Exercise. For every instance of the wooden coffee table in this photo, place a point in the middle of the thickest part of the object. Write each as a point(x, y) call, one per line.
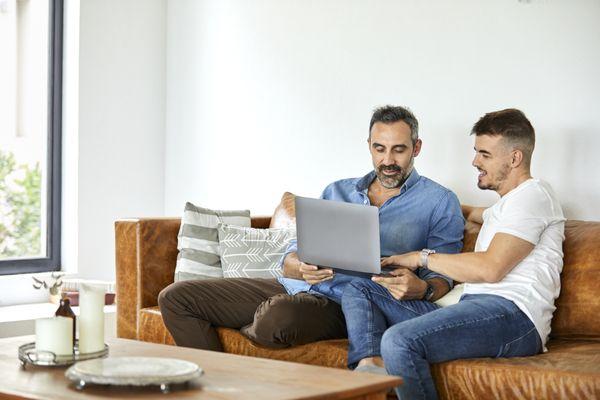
point(226, 376)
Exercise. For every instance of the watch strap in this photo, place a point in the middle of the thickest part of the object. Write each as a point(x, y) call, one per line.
point(429, 292)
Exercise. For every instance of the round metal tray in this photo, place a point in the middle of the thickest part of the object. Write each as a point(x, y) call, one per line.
point(134, 371)
point(29, 355)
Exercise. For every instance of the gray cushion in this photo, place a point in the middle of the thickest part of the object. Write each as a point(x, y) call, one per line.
point(252, 253)
point(198, 241)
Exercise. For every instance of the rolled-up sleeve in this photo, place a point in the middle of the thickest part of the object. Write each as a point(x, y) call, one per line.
point(426, 274)
point(292, 248)
point(445, 234)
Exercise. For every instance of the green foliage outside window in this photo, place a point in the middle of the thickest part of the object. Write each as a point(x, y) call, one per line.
point(20, 208)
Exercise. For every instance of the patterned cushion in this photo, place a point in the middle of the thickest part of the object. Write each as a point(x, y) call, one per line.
point(198, 241)
point(252, 253)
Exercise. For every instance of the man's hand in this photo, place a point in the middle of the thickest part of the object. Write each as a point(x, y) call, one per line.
point(296, 269)
point(403, 285)
point(313, 274)
point(410, 260)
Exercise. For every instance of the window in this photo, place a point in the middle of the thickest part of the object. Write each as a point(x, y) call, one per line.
point(30, 135)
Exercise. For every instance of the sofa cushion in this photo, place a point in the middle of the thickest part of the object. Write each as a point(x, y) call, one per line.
point(285, 213)
point(198, 241)
point(328, 353)
point(151, 327)
point(569, 370)
point(252, 253)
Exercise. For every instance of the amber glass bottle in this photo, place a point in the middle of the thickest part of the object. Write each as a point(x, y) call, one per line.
point(64, 310)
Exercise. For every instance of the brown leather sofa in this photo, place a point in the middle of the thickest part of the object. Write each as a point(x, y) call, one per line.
point(146, 252)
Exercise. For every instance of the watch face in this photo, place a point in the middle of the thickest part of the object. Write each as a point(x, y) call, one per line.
point(429, 292)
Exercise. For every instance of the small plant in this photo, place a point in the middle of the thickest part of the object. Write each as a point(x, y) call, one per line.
point(53, 284)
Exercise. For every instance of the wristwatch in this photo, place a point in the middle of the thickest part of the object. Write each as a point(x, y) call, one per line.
point(425, 255)
point(429, 292)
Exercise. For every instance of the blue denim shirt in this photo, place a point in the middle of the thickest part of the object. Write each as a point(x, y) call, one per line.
point(423, 215)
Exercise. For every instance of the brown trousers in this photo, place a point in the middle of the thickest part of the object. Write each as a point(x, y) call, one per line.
point(260, 308)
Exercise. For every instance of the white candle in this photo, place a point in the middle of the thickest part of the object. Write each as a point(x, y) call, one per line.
point(55, 335)
point(91, 318)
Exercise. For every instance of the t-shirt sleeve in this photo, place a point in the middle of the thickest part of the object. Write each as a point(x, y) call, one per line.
point(525, 216)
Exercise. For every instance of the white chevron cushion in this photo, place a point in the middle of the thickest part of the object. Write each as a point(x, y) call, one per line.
point(198, 241)
point(252, 253)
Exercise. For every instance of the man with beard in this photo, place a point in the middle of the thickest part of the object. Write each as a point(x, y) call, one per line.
point(304, 305)
point(511, 280)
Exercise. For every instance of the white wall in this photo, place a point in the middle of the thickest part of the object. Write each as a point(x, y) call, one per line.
point(121, 124)
point(259, 97)
point(113, 132)
point(274, 95)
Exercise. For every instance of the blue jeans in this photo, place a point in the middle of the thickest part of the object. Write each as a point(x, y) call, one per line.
point(421, 333)
point(369, 310)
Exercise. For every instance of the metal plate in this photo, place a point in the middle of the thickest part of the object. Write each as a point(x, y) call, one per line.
point(136, 371)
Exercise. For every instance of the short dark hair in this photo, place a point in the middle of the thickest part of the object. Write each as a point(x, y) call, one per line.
point(390, 114)
point(511, 124)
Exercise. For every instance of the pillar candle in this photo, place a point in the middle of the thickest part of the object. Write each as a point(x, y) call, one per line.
point(91, 318)
point(55, 335)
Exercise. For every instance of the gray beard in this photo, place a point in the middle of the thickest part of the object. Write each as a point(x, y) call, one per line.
point(390, 182)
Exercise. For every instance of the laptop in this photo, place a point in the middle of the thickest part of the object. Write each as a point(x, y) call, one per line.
point(338, 235)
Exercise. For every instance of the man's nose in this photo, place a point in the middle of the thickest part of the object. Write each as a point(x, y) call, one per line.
point(388, 159)
point(475, 162)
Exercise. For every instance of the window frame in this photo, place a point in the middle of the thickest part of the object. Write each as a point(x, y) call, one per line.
point(52, 261)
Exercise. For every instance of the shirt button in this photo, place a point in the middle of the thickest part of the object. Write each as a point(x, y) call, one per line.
point(365, 201)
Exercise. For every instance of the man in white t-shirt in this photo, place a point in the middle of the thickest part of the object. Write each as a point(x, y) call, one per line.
point(511, 280)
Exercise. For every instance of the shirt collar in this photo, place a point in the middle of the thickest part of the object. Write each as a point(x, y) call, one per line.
point(363, 183)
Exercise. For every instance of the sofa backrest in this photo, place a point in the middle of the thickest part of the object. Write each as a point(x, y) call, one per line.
point(577, 312)
point(146, 252)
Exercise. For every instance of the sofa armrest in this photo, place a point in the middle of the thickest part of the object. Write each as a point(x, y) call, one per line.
point(146, 254)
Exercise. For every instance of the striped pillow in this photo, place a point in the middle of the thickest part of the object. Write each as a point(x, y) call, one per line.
point(198, 241)
point(253, 253)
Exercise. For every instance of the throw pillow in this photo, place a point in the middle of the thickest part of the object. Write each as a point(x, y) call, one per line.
point(452, 297)
point(198, 241)
point(284, 215)
point(252, 253)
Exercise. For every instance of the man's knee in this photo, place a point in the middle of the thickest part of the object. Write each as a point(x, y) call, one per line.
point(396, 341)
point(280, 312)
point(175, 296)
point(288, 320)
point(166, 296)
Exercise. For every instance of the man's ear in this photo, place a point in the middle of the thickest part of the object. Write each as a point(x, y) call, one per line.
point(516, 158)
point(417, 147)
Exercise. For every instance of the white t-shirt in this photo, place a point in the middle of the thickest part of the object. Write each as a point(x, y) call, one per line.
point(530, 212)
